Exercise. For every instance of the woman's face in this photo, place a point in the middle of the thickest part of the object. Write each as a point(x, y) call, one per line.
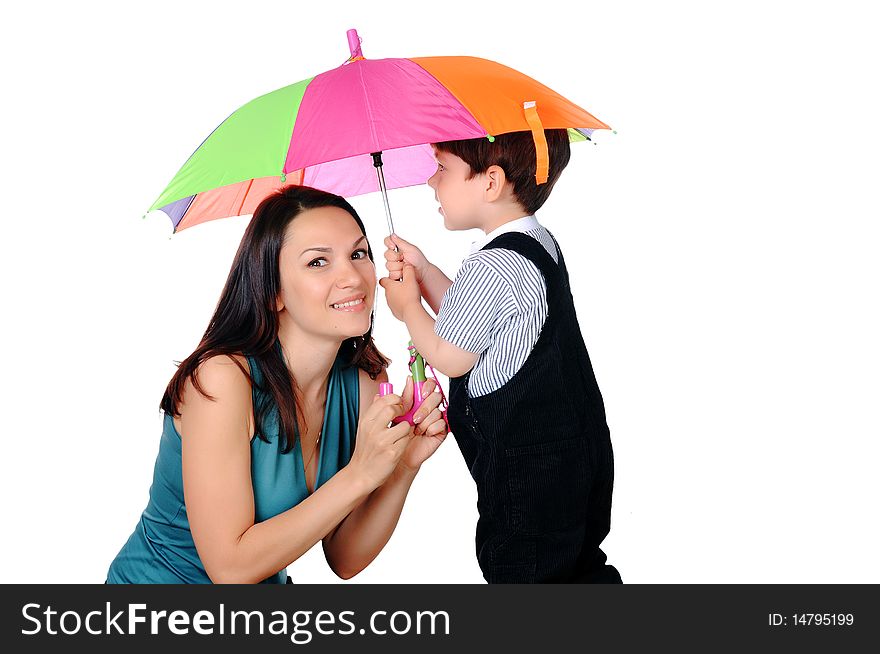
point(328, 282)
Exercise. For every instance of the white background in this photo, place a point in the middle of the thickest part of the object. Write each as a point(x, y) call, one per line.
point(722, 248)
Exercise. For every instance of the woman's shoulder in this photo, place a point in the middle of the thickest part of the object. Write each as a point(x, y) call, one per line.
point(225, 367)
point(222, 375)
point(219, 384)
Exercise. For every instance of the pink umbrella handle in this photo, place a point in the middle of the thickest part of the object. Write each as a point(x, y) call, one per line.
point(354, 44)
point(386, 388)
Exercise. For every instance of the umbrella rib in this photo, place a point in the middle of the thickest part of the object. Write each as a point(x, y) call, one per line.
point(369, 110)
point(244, 197)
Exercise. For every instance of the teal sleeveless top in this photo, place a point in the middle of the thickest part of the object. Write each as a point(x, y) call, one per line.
point(161, 549)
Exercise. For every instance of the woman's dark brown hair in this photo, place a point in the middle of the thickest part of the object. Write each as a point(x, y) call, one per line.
point(246, 321)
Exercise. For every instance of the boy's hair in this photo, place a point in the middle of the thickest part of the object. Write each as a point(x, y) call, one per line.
point(515, 153)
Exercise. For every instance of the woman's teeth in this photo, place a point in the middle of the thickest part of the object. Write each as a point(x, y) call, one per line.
point(348, 304)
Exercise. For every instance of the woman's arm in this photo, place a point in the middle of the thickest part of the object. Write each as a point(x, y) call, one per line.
point(353, 545)
point(218, 489)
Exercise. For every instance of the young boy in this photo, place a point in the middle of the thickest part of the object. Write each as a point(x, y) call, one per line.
point(524, 405)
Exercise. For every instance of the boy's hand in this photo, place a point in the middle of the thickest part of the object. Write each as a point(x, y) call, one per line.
point(407, 254)
point(401, 294)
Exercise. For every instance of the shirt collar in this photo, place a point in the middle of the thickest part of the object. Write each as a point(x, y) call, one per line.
point(523, 224)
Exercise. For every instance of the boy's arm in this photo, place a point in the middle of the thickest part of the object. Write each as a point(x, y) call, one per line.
point(432, 282)
point(449, 359)
point(405, 301)
point(480, 299)
point(434, 285)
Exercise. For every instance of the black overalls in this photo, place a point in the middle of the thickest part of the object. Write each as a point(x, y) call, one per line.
point(539, 450)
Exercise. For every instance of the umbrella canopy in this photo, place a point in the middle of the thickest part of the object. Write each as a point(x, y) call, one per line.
point(321, 131)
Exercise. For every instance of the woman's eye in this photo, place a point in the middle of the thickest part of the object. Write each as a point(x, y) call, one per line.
point(317, 263)
point(440, 167)
point(359, 254)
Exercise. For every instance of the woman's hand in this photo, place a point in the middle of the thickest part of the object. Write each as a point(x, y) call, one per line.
point(430, 430)
point(378, 447)
point(406, 253)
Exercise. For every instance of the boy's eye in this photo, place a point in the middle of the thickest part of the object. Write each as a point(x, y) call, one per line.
point(316, 263)
point(359, 254)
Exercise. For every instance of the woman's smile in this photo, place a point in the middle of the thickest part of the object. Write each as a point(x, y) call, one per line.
point(352, 306)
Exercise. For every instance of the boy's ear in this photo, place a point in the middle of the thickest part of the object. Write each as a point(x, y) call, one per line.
point(496, 182)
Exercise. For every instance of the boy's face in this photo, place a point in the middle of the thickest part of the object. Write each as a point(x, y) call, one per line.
point(460, 198)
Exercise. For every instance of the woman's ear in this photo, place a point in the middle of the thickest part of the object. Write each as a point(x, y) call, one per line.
point(279, 303)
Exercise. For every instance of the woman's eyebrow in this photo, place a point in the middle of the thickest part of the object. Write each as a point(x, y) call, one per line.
point(326, 249)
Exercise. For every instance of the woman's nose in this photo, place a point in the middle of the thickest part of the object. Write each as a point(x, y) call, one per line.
point(349, 275)
point(432, 180)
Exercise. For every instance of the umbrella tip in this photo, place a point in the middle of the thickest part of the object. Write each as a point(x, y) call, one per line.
point(354, 45)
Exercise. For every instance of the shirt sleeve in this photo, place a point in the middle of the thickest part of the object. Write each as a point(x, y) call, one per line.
point(474, 305)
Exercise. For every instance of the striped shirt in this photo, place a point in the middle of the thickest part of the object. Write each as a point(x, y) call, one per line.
point(496, 307)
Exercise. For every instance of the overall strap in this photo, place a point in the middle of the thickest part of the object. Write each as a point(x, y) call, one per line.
point(562, 265)
point(532, 250)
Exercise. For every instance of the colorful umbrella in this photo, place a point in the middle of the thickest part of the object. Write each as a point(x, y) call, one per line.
point(364, 126)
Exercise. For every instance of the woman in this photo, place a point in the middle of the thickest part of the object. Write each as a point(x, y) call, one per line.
point(274, 434)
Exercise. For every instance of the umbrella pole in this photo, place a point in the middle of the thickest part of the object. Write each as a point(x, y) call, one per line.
point(417, 363)
point(377, 163)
